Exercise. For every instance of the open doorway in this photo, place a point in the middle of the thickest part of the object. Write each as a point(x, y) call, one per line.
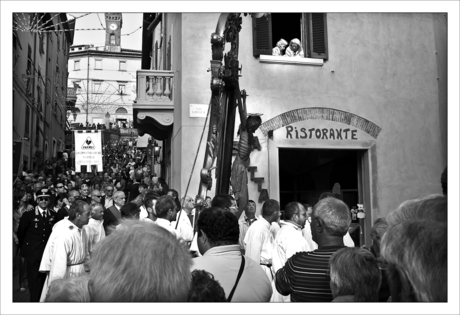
point(307, 173)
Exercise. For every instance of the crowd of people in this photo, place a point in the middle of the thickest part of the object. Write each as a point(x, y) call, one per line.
point(123, 235)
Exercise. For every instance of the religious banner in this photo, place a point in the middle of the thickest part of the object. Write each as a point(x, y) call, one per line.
point(88, 151)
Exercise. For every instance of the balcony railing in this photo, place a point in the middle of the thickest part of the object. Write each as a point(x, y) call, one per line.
point(155, 88)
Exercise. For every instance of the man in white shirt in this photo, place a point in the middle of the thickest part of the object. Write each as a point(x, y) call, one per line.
point(66, 248)
point(185, 228)
point(259, 239)
point(289, 241)
point(94, 231)
point(248, 217)
point(165, 208)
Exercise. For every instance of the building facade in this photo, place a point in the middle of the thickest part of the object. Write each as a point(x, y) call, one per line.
point(362, 108)
point(41, 44)
point(105, 79)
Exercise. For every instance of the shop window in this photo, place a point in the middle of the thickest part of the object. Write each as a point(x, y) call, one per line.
point(122, 66)
point(309, 28)
point(98, 64)
point(76, 65)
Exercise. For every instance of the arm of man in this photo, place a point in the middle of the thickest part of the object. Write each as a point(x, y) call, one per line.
point(253, 246)
point(282, 279)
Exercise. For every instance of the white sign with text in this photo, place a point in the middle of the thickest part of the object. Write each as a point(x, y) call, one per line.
point(198, 110)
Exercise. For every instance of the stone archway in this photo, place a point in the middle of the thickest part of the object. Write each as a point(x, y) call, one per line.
point(320, 113)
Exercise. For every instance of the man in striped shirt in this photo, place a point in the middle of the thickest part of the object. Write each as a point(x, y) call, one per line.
point(304, 276)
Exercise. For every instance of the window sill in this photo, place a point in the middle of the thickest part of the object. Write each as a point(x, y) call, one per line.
point(291, 60)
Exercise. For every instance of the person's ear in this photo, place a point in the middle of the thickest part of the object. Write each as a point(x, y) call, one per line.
point(318, 224)
point(204, 238)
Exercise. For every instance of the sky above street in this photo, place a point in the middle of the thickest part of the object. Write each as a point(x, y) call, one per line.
point(131, 33)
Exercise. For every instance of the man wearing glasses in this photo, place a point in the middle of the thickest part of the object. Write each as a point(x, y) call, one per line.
point(59, 185)
point(112, 214)
point(107, 200)
point(34, 231)
point(96, 196)
point(289, 241)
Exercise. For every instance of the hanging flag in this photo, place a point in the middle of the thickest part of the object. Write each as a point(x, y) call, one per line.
point(88, 151)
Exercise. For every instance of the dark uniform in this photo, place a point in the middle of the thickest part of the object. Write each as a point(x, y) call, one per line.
point(33, 233)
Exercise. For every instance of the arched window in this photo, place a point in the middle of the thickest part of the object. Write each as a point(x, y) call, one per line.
point(121, 110)
point(112, 39)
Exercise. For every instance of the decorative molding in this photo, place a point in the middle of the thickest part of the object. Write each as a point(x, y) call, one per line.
point(320, 113)
point(164, 118)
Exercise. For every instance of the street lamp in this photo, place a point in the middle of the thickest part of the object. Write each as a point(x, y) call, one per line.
point(156, 153)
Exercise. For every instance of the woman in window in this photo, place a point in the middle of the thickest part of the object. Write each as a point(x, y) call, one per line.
point(294, 49)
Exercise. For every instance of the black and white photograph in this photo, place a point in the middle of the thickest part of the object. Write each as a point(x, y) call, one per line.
point(185, 151)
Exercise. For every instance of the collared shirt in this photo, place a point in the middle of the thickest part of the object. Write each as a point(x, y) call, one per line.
point(224, 263)
point(259, 241)
point(184, 228)
point(166, 224)
point(288, 241)
point(94, 233)
point(244, 222)
point(143, 214)
point(108, 202)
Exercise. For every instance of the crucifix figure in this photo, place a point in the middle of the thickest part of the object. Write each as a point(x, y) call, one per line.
point(239, 175)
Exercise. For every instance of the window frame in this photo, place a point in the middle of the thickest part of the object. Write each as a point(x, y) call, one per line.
point(74, 64)
point(122, 62)
point(96, 63)
point(263, 33)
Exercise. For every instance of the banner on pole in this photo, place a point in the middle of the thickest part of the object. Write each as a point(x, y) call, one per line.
point(88, 151)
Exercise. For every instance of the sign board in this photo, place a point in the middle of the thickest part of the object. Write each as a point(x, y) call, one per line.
point(198, 110)
point(88, 150)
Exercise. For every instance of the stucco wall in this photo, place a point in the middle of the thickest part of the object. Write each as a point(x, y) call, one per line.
point(382, 67)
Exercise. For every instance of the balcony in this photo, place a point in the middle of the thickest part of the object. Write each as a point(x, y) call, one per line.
point(155, 89)
point(71, 93)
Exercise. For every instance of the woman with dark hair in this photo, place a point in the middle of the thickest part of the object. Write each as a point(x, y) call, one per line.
point(173, 193)
point(20, 205)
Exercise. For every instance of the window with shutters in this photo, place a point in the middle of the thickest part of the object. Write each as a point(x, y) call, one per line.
point(309, 28)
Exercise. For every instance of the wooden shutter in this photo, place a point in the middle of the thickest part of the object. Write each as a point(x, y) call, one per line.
point(262, 43)
point(317, 35)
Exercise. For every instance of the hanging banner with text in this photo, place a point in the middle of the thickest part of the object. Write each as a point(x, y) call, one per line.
point(88, 151)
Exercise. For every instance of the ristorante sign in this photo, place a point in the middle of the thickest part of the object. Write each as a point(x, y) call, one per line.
point(321, 133)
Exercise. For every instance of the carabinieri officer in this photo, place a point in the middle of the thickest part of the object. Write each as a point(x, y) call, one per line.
point(34, 230)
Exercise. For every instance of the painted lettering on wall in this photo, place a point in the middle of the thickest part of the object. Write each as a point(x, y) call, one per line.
point(321, 133)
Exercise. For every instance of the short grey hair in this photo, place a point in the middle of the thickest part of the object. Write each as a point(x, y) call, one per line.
point(355, 271)
point(418, 249)
point(68, 290)
point(428, 207)
point(335, 215)
point(120, 272)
